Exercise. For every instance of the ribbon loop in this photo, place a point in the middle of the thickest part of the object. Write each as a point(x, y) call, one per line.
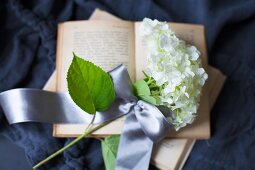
point(152, 121)
point(122, 83)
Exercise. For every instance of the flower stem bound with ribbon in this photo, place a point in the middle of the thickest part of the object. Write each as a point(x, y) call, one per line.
point(168, 97)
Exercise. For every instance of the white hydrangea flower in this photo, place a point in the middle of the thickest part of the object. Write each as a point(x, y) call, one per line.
point(176, 69)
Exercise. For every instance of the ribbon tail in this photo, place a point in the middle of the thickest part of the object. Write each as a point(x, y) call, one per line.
point(135, 147)
point(34, 105)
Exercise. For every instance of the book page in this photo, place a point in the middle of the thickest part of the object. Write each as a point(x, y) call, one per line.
point(169, 154)
point(105, 43)
point(193, 34)
point(103, 15)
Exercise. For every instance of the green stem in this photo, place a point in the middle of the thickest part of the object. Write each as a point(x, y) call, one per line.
point(84, 135)
point(91, 123)
point(152, 86)
point(156, 93)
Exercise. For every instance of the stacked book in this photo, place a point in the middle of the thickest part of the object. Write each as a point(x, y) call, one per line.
point(109, 41)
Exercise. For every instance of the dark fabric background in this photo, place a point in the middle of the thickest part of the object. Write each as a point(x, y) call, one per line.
point(27, 59)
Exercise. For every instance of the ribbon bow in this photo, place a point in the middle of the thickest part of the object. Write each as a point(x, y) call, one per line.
point(144, 124)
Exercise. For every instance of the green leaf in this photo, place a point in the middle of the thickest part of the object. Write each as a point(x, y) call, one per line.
point(142, 91)
point(89, 86)
point(110, 149)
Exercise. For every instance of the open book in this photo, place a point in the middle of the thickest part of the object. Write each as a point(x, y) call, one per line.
point(170, 153)
point(113, 42)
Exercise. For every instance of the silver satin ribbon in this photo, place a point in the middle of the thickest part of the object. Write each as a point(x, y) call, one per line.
point(144, 124)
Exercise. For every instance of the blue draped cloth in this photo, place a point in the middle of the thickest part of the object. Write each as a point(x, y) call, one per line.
point(27, 59)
